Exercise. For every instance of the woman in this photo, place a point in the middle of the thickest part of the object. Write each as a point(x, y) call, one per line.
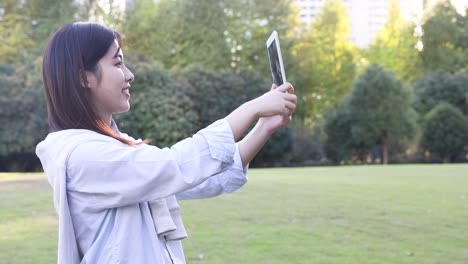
point(116, 196)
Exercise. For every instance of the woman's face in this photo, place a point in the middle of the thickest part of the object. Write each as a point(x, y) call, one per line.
point(110, 85)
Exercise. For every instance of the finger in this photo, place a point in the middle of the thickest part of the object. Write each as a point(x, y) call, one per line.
point(290, 106)
point(290, 97)
point(291, 89)
point(286, 119)
point(287, 87)
point(274, 87)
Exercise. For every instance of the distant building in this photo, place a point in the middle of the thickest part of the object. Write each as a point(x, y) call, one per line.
point(366, 17)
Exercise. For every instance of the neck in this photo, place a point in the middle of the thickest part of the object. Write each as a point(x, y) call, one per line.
point(107, 119)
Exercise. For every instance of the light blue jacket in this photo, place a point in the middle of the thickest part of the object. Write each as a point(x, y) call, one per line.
point(102, 188)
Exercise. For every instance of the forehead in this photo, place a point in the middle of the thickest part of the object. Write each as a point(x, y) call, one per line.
point(114, 50)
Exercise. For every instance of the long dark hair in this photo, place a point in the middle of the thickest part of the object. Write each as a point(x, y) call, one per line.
point(73, 49)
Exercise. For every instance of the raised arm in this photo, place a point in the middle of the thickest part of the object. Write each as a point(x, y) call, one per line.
point(275, 109)
point(239, 120)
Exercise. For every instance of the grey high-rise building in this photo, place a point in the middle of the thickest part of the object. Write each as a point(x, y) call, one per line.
point(366, 17)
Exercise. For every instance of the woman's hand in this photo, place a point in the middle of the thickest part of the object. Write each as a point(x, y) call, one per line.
point(279, 101)
point(273, 123)
point(275, 109)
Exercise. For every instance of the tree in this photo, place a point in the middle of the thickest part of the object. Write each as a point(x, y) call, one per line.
point(445, 40)
point(326, 58)
point(216, 34)
point(23, 117)
point(109, 12)
point(216, 93)
point(25, 27)
point(394, 46)
point(249, 23)
point(338, 130)
point(445, 131)
point(380, 110)
point(438, 87)
point(178, 33)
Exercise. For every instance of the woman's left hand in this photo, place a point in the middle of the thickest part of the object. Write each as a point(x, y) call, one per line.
point(276, 122)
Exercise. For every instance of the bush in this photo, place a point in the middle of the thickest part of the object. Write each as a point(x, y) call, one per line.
point(23, 117)
point(308, 145)
point(338, 131)
point(216, 94)
point(438, 87)
point(445, 132)
point(165, 108)
point(161, 109)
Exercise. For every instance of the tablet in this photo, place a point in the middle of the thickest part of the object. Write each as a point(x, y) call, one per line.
point(276, 60)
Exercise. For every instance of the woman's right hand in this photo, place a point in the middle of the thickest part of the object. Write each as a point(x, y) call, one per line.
point(277, 102)
point(280, 101)
point(274, 110)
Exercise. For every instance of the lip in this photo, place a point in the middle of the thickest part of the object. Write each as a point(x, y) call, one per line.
point(126, 90)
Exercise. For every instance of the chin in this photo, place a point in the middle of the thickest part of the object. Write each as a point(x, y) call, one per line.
point(124, 109)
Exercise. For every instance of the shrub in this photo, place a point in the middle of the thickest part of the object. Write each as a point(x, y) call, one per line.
point(445, 131)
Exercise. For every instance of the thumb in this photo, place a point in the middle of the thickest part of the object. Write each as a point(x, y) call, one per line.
point(274, 86)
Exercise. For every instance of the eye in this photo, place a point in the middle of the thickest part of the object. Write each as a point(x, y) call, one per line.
point(119, 64)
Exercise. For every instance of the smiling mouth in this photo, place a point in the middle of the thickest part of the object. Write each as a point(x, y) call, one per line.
point(126, 91)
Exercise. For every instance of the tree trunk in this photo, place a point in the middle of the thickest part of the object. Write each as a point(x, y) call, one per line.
point(447, 158)
point(385, 150)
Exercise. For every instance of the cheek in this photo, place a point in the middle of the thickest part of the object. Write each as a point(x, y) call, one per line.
point(118, 75)
point(113, 78)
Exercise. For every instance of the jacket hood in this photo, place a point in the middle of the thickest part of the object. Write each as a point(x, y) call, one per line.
point(53, 153)
point(57, 146)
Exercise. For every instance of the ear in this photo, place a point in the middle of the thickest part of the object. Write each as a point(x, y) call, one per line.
point(88, 79)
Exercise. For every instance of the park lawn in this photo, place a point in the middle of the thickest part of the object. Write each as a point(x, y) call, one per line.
point(347, 214)
point(28, 222)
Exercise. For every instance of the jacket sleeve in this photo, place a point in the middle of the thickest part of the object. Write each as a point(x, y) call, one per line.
point(224, 182)
point(107, 173)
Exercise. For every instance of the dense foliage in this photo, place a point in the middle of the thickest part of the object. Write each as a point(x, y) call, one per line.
point(161, 110)
point(195, 61)
point(445, 132)
point(377, 110)
point(326, 60)
point(23, 117)
point(438, 87)
point(394, 46)
point(445, 39)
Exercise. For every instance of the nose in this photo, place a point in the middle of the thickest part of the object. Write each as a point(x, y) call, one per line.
point(129, 77)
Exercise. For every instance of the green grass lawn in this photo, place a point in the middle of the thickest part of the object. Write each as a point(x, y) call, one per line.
point(350, 214)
